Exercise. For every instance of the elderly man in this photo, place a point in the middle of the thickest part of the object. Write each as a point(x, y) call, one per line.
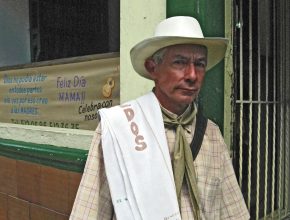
point(142, 163)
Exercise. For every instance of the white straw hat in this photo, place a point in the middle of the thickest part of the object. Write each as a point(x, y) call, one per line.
point(177, 30)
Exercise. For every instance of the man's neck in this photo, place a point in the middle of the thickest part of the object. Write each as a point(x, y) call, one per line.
point(173, 113)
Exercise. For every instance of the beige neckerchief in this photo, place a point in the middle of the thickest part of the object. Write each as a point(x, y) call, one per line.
point(182, 161)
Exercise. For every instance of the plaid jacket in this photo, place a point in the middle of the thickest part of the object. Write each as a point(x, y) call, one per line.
point(219, 192)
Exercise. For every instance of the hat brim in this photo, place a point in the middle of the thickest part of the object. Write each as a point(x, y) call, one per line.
point(216, 48)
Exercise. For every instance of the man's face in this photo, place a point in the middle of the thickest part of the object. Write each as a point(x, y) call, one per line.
point(178, 78)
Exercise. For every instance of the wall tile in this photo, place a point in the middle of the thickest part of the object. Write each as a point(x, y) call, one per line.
point(28, 181)
point(8, 182)
point(41, 213)
point(74, 182)
point(3, 207)
point(61, 217)
point(17, 209)
point(54, 189)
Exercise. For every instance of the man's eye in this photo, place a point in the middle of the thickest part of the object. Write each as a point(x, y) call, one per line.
point(200, 64)
point(180, 62)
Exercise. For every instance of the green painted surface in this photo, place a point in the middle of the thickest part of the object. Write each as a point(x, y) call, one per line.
point(49, 155)
point(211, 17)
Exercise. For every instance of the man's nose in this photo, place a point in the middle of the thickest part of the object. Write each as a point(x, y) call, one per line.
point(190, 72)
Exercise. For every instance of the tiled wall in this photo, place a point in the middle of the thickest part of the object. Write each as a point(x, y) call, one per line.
point(35, 192)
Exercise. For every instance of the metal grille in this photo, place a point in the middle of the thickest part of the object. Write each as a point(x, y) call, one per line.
point(261, 124)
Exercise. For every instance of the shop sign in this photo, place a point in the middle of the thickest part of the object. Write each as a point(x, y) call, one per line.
point(61, 95)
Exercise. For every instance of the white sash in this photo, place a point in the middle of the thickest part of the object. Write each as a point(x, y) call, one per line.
point(137, 161)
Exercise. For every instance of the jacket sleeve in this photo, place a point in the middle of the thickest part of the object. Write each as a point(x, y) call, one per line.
point(93, 199)
point(232, 202)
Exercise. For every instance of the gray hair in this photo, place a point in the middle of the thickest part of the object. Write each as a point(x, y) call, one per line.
point(159, 55)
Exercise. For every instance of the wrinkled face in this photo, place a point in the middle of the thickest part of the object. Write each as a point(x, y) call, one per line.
point(178, 76)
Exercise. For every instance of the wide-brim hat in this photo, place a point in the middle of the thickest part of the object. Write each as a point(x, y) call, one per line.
point(177, 30)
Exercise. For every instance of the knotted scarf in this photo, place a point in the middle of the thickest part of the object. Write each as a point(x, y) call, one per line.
point(183, 167)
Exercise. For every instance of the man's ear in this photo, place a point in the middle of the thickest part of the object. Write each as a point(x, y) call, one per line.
point(150, 66)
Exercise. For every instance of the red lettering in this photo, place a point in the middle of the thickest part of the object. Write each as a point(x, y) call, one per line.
point(141, 145)
point(129, 113)
point(134, 128)
point(139, 140)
